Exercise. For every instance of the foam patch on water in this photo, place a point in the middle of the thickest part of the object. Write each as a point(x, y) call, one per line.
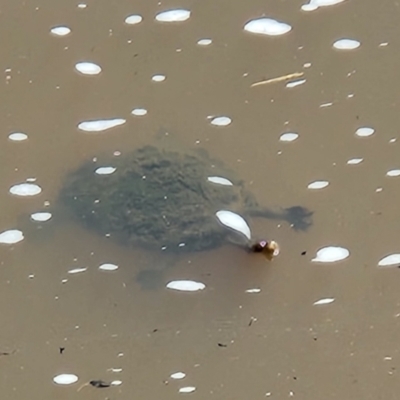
point(100, 125)
point(25, 189)
point(186, 285)
point(133, 19)
point(176, 15)
point(139, 112)
point(219, 180)
point(293, 84)
point(254, 290)
point(11, 236)
point(88, 68)
point(105, 170)
point(77, 270)
point(60, 30)
point(17, 136)
point(354, 161)
point(315, 4)
point(390, 260)
point(187, 389)
point(41, 216)
point(331, 254)
point(158, 78)
point(108, 267)
point(318, 185)
point(346, 44)
point(234, 221)
point(221, 121)
point(267, 26)
point(65, 379)
point(327, 300)
point(365, 131)
point(288, 137)
point(204, 42)
point(393, 172)
point(178, 375)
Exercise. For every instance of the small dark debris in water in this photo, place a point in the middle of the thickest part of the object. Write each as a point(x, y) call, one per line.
point(155, 330)
point(315, 339)
point(303, 253)
point(61, 349)
point(7, 353)
point(100, 384)
point(252, 319)
point(222, 345)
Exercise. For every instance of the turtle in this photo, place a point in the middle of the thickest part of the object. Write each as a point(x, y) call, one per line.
point(167, 199)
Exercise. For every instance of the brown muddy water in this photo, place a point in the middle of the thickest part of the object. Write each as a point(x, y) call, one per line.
point(230, 344)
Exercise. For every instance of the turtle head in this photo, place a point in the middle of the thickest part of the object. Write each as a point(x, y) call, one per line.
point(269, 248)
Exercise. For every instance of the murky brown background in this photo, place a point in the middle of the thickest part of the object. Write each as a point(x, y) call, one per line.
point(104, 320)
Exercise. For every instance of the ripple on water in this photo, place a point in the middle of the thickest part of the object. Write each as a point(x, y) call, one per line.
point(87, 68)
point(108, 267)
point(105, 170)
point(25, 189)
point(327, 300)
point(139, 112)
point(178, 375)
point(393, 172)
point(346, 44)
point(219, 180)
point(100, 125)
point(186, 285)
point(187, 389)
point(267, 26)
point(11, 236)
point(158, 78)
point(176, 15)
point(331, 254)
point(204, 42)
point(354, 161)
point(315, 4)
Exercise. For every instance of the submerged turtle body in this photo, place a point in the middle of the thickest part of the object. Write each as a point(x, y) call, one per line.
point(163, 199)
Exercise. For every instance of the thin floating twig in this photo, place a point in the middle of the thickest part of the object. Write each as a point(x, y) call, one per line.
point(279, 79)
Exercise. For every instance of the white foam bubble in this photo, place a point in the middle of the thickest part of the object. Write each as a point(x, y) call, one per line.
point(389, 260)
point(100, 125)
point(267, 26)
point(65, 379)
point(254, 290)
point(288, 137)
point(116, 383)
point(221, 121)
point(60, 30)
point(158, 78)
point(331, 254)
point(108, 267)
point(25, 189)
point(187, 389)
point(133, 19)
point(318, 185)
point(139, 112)
point(293, 84)
point(88, 68)
point(41, 216)
point(219, 180)
point(309, 7)
point(393, 172)
point(204, 42)
point(346, 44)
point(105, 170)
point(17, 136)
point(327, 300)
point(234, 221)
point(354, 161)
point(365, 131)
point(178, 375)
point(11, 236)
point(186, 285)
point(77, 270)
point(176, 15)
